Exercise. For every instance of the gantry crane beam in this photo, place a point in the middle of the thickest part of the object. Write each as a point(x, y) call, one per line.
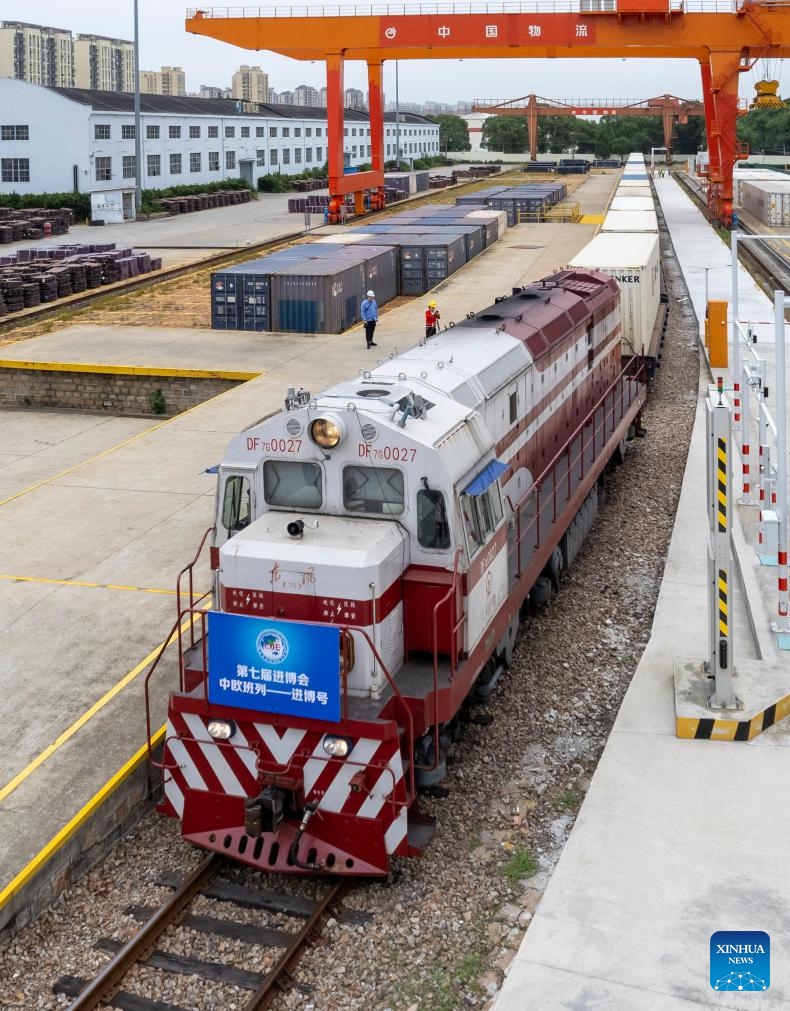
point(532, 107)
point(725, 38)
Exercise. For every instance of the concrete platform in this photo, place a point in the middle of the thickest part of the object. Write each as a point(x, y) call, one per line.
point(99, 514)
point(676, 839)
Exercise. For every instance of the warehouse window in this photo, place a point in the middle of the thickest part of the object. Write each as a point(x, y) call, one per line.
point(194, 133)
point(286, 131)
point(194, 162)
point(230, 131)
point(245, 131)
point(297, 131)
point(101, 131)
point(129, 166)
point(318, 131)
point(433, 530)
point(175, 164)
point(373, 490)
point(286, 156)
point(213, 161)
point(103, 170)
point(230, 159)
point(298, 156)
point(15, 133)
point(213, 132)
point(308, 154)
point(260, 156)
point(174, 132)
point(318, 154)
point(292, 485)
point(273, 157)
point(272, 131)
point(308, 131)
point(236, 504)
point(127, 132)
point(152, 132)
point(260, 131)
point(15, 170)
point(154, 165)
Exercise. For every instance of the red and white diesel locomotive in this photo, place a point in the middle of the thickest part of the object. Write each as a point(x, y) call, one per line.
point(372, 550)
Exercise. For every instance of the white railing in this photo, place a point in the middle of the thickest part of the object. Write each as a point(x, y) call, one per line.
point(594, 7)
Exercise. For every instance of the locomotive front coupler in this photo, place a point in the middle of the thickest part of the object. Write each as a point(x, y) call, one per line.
point(264, 813)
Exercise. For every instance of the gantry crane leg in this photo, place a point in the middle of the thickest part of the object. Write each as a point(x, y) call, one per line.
point(720, 96)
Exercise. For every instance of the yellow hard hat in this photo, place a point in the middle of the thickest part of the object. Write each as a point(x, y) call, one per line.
point(431, 305)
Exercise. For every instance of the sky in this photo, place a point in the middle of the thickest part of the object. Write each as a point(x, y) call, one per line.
point(164, 41)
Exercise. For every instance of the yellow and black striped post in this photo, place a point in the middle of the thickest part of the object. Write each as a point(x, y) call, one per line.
point(719, 433)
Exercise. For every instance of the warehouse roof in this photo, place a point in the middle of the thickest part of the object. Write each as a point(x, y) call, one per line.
point(187, 105)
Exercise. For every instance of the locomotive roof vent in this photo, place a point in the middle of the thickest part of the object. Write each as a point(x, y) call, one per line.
point(532, 293)
point(374, 392)
point(487, 316)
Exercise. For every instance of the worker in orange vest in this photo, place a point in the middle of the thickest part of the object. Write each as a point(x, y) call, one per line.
point(432, 317)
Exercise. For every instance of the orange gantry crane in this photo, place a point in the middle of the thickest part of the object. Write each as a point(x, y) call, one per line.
point(672, 110)
point(725, 37)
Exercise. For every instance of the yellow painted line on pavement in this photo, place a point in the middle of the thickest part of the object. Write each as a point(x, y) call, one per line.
point(78, 582)
point(79, 723)
point(111, 449)
point(71, 827)
point(591, 219)
point(127, 370)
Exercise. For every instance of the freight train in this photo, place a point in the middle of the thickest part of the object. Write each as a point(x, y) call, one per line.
point(373, 549)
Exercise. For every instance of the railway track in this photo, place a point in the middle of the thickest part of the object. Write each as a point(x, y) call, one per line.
point(141, 950)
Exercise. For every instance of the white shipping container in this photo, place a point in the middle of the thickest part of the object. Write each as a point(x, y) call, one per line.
point(631, 204)
point(343, 238)
point(769, 202)
point(633, 192)
point(632, 183)
point(489, 212)
point(740, 176)
point(630, 221)
point(633, 261)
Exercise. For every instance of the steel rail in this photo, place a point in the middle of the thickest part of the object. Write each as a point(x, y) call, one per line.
point(106, 984)
point(273, 984)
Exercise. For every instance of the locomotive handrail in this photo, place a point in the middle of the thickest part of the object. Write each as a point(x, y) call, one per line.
point(454, 626)
point(174, 632)
point(190, 568)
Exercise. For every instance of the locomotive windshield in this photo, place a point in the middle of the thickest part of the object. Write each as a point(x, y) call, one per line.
point(433, 530)
point(292, 485)
point(373, 490)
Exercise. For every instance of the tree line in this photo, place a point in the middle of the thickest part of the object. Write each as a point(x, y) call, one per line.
point(766, 131)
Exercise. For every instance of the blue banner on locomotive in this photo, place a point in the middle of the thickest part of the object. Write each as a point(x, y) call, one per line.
point(372, 549)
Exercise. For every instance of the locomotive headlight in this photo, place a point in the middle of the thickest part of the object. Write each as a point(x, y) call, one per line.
point(222, 730)
point(337, 747)
point(327, 432)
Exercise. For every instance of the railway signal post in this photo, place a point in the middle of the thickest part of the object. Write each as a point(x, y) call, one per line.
point(720, 638)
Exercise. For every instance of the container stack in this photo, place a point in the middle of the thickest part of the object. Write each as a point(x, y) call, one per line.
point(528, 202)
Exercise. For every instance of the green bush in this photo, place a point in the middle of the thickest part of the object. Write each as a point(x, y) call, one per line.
point(80, 203)
point(277, 183)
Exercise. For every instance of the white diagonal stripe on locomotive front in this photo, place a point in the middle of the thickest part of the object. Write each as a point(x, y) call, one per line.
point(385, 785)
point(281, 748)
point(212, 752)
point(396, 832)
point(187, 769)
point(337, 793)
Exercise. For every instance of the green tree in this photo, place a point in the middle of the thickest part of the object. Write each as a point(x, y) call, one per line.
point(453, 133)
point(559, 134)
point(505, 133)
point(766, 131)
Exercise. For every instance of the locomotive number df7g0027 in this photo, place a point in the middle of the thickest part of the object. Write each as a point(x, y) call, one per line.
point(254, 444)
point(398, 454)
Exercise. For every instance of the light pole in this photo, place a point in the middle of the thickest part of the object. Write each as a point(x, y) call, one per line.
point(397, 120)
point(138, 140)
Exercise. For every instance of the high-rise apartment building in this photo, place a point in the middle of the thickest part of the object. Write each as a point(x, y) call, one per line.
point(353, 98)
point(211, 91)
point(305, 95)
point(322, 97)
point(37, 54)
point(250, 84)
point(165, 81)
point(103, 64)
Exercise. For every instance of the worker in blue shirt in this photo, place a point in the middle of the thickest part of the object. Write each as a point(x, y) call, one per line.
point(370, 316)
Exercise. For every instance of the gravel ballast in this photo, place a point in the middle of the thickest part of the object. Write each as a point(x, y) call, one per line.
point(444, 929)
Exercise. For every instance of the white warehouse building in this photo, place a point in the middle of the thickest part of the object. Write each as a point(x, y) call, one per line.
point(56, 140)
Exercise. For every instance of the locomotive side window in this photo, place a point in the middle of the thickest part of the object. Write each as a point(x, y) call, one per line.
point(292, 485)
point(474, 533)
point(236, 504)
point(433, 530)
point(481, 514)
point(489, 508)
point(373, 490)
